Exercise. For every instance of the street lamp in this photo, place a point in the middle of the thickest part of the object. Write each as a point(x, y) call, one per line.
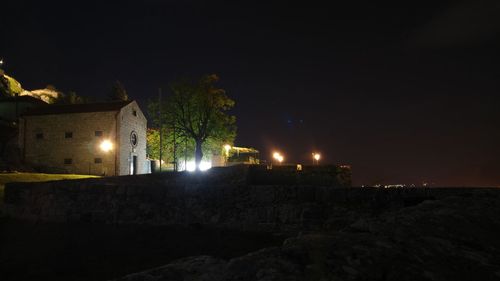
point(316, 156)
point(277, 156)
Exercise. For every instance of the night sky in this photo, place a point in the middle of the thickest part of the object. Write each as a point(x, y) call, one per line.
point(405, 93)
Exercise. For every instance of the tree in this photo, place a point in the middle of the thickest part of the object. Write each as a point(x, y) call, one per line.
point(196, 112)
point(118, 92)
point(182, 146)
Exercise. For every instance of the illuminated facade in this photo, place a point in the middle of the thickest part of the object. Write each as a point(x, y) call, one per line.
point(242, 155)
point(99, 139)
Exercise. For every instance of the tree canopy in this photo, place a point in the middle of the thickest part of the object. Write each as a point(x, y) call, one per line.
point(195, 113)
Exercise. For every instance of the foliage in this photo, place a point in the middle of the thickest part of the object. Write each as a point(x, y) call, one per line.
point(4, 87)
point(15, 87)
point(118, 92)
point(153, 145)
point(9, 86)
point(197, 113)
point(183, 146)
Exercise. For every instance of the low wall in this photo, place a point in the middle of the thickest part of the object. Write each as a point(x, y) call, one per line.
point(208, 199)
point(324, 175)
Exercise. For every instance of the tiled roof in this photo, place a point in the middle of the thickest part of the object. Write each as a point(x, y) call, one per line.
point(77, 108)
point(25, 99)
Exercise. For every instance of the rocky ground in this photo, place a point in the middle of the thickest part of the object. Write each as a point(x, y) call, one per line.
point(453, 238)
point(83, 251)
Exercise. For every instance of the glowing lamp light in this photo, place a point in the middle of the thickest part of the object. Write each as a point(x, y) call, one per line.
point(190, 166)
point(204, 165)
point(278, 157)
point(316, 156)
point(227, 147)
point(106, 146)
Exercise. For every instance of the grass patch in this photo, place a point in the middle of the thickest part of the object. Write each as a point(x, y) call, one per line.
point(34, 177)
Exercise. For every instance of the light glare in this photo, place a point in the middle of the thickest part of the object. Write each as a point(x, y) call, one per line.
point(106, 145)
point(278, 157)
point(204, 165)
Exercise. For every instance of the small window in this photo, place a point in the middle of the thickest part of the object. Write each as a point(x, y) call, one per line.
point(134, 112)
point(39, 136)
point(68, 161)
point(68, 135)
point(97, 160)
point(98, 133)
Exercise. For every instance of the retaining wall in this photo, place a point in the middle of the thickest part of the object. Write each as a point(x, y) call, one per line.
point(208, 199)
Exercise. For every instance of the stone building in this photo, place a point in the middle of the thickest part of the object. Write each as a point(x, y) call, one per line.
point(99, 139)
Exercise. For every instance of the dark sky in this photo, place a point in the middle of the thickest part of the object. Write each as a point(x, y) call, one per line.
point(404, 93)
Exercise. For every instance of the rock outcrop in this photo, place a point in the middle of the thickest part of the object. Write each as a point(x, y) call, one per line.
point(453, 238)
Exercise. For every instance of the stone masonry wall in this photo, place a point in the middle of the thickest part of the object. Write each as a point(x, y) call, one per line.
point(207, 199)
point(129, 122)
point(82, 148)
point(48, 153)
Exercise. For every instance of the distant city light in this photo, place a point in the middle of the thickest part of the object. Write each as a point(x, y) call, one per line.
point(1, 61)
point(106, 145)
point(394, 185)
